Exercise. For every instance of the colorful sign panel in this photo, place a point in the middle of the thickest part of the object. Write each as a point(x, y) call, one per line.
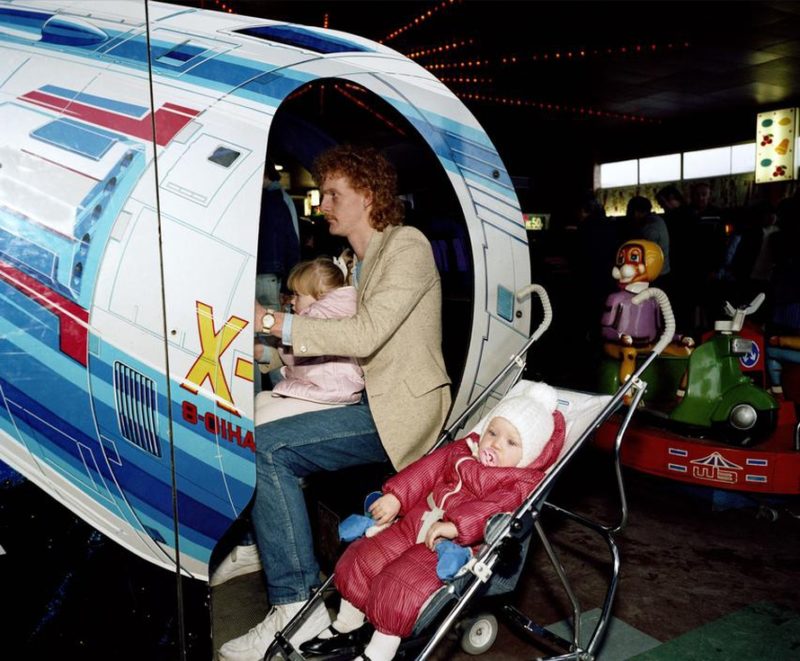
point(776, 133)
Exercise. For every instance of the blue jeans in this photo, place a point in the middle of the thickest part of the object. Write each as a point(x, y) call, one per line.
point(286, 451)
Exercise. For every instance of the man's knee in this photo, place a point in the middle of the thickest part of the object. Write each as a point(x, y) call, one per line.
point(271, 437)
point(272, 456)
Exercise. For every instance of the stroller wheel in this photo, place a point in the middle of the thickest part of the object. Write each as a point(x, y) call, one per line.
point(478, 633)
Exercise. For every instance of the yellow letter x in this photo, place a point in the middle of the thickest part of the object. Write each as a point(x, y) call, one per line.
point(213, 344)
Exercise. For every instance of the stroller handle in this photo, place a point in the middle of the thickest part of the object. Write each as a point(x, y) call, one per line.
point(666, 312)
point(517, 361)
point(546, 307)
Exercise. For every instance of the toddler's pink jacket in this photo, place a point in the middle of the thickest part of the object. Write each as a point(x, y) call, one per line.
point(324, 379)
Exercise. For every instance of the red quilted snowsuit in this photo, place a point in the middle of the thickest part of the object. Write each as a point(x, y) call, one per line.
point(389, 577)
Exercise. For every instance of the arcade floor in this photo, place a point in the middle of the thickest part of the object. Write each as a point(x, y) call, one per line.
point(706, 575)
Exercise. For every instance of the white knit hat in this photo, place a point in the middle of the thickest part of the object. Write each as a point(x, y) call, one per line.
point(529, 406)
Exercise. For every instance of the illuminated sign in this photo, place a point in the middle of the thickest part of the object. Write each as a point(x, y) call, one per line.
point(536, 221)
point(776, 133)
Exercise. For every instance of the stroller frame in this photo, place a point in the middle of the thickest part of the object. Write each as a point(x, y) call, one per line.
point(507, 529)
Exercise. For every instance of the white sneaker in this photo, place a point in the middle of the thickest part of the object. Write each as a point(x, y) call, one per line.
point(253, 645)
point(242, 560)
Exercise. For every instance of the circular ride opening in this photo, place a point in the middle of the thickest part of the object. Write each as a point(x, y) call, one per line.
point(326, 112)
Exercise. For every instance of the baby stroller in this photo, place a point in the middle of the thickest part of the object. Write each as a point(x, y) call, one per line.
point(508, 535)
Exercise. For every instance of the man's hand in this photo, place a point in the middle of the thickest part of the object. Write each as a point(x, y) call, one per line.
point(258, 318)
point(277, 328)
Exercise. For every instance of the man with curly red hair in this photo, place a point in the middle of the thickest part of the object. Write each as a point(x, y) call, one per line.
point(396, 336)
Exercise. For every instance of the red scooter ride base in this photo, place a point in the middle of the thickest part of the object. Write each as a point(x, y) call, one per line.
point(771, 467)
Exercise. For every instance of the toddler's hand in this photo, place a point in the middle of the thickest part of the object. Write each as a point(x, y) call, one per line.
point(385, 509)
point(440, 529)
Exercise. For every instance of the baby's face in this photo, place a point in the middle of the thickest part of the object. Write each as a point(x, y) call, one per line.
point(501, 445)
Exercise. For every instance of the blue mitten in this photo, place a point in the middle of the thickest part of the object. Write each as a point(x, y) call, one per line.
point(452, 557)
point(354, 526)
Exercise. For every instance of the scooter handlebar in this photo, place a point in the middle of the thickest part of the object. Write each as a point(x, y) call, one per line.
point(666, 313)
point(546, 307)
point(755, 303)
point(737, 315)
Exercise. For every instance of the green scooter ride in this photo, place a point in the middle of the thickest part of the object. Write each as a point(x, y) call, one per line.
point(706, 393)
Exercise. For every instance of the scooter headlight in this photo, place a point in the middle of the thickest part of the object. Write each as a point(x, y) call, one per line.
point(740, 346)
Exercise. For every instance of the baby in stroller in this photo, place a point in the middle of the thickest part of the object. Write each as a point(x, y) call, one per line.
point(449, 494)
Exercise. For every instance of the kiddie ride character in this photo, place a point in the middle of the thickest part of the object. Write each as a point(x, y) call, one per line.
point(702, 389)
point(447, 495)
point(630, 328)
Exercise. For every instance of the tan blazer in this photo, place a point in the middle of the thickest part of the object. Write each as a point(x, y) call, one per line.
point(396, 335)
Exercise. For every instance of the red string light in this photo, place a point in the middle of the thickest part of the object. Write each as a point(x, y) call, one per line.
point(302, 91)
point(364, 106)
point(439, 49)
point(556, 107)
point(581, 53)
point(475, 80)
point(559, 55)
point(444, 4)
point(469, 64)
point(224, 6)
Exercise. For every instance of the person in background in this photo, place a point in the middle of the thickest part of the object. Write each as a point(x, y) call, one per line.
point(709, 244)
point(677, 217)
point(671, 200)
point(783, 323)
point(644, 224)
point(596, 252)
point(700, 204)
point(279, 239)
point(768, 241)
point(396, 336)
point(679, 222)
point(749, 258)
